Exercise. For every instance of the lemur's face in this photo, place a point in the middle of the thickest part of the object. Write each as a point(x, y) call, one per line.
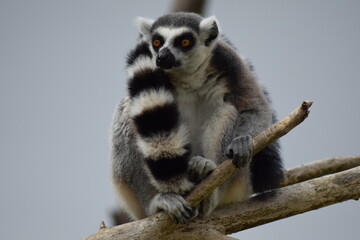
point(174, 47)
point(179, 41)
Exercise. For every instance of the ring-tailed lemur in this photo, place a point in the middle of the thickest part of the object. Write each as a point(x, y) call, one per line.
point(193, 102)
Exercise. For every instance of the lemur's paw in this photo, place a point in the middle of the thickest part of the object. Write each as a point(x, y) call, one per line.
point(240, 150)
point(199, 168)
point(175, 206)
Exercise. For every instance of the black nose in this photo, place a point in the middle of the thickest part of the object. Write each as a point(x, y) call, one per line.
point(165, 59)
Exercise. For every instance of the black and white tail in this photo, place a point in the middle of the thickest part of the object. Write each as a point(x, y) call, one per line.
point(161, 138)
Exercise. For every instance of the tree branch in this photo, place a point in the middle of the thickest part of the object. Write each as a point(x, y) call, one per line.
point(319, 168)
point(289, 201)
point(200, 234)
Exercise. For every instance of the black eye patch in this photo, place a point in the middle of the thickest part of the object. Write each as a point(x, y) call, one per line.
point(157, 41)
point(185, 41)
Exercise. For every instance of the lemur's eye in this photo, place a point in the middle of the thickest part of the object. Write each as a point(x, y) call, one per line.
point(185, 42)
point(156, 43)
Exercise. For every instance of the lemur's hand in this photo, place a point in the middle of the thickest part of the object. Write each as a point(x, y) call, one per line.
point(199, 168)
point(174, 205)
point(240, 150)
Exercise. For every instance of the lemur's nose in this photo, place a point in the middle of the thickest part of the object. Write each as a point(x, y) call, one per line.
point(165, 59)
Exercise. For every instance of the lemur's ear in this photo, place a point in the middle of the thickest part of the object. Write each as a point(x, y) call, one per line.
point(144, 25)
point(209, 30)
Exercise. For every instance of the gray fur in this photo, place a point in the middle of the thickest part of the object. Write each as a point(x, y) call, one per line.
point(126, 160)
point(125, 156)
point(190, 20)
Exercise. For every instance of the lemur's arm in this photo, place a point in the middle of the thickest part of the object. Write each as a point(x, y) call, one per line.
point(244, 106)
point(247, 125)
point(266, 166)
point(255, 115)
point(161, 138)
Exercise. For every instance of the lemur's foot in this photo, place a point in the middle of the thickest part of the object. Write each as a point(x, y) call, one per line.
point(175, 206)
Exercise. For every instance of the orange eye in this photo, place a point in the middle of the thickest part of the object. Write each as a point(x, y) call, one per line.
point(185, 42)
point(156, 43)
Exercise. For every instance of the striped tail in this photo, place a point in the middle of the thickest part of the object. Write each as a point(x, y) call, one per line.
point(161, 138)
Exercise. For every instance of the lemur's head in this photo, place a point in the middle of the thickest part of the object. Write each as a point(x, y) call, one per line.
point(180, 40)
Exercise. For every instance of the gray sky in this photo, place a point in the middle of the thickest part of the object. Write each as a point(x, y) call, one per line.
point(62, 73)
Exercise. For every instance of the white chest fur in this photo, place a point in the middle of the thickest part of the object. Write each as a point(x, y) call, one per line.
point(200, 92)
point(201, 108)
point(195, 112)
